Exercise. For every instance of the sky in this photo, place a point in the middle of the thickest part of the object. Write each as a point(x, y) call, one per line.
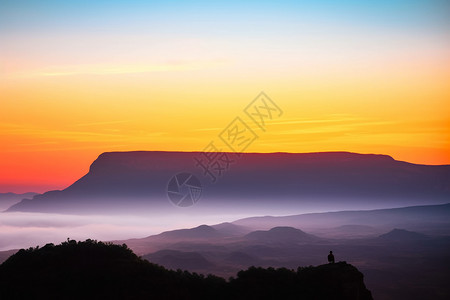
point(79, 78)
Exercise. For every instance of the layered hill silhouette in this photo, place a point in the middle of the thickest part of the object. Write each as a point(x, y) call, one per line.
point(402, 235)
point(137, 182)
point(9, 199)
point(200, 232)
point(281, 235)
point(432, 218)
point(95, 270)
point(408, 263)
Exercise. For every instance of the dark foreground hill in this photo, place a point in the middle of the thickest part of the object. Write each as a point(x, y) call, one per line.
point(95, 270)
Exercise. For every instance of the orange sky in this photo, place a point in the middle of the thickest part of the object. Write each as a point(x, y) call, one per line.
point(68, 95)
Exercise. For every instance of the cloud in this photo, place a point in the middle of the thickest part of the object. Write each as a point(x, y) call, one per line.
point(218, 129)
point(23, 230)
point(121, 69)
point(104, 123)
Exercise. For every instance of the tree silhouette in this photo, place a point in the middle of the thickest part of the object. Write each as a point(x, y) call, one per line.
point(97, 270)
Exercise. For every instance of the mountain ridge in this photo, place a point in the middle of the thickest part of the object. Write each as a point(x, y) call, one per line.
point(9, 199)
point(281, 234)
point(427, 214)
point(141, 178)
point(100, 271)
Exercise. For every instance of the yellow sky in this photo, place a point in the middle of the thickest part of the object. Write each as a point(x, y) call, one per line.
point(69, 93)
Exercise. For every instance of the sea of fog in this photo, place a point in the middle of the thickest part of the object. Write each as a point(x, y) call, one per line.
point(23, 230)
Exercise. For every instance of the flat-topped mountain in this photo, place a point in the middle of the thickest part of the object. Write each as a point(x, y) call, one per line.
point(138, 181)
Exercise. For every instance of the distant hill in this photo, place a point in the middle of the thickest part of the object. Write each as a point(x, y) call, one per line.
point(281, 235)
point(136, 182)
point(4, 255)
point(395, 262)
point(426, 217)
point(9, 199)
point(203, 233)
point(200, 232)
point(350, 231)
point(94, 270)
point(209, 235)
point(230, 229)
point(402, 235)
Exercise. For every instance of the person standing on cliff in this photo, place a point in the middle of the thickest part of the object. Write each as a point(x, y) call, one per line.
point(331, 258)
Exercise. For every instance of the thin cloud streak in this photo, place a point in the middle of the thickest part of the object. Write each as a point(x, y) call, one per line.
point(104, 123)
point(105, 69)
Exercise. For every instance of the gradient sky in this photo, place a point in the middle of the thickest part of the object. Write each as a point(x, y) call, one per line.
point(79, 78)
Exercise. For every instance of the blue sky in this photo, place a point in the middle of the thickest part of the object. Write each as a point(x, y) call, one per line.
point(131, 15)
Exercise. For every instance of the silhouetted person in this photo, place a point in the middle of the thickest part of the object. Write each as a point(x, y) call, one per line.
point(331, 258)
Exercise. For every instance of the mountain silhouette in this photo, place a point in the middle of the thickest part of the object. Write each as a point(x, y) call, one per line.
point(95, 270)
point(137, 182)
point(8, 199)
point(200, 232)
point(280, 234)
point(424, 216)
point(230, 229)
point(402, 235)
point(398, 265)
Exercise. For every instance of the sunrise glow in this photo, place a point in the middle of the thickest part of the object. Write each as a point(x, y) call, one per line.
point(79, 80)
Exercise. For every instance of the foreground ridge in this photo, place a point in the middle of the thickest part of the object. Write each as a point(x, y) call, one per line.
point(93, 270)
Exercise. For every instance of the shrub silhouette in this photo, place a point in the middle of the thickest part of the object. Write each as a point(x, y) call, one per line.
point(97, 270)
